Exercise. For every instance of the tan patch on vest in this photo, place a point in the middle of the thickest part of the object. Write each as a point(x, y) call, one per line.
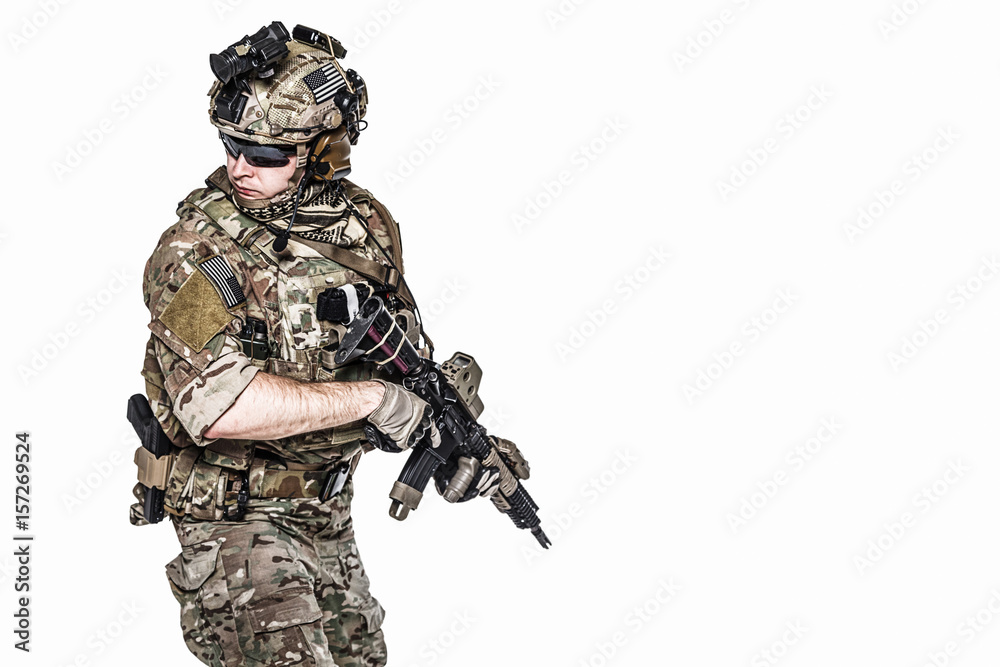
point(196, 313)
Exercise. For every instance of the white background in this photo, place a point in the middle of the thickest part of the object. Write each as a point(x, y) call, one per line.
point(700, 489)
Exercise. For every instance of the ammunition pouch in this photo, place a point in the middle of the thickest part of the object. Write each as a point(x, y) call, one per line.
point(253, 337)
point(218, 485)
point(237, 494)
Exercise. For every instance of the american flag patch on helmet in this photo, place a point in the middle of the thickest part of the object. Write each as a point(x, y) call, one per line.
point(324, 82)
point(217, 270)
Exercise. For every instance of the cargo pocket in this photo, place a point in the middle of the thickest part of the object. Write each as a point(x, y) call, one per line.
point(352, 576)
point(285, 627)
point(373, 614)
point(355, 629)
point(188, 574)
point(358, 638)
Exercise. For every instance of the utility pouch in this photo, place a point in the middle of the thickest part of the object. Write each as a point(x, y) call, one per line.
point(154, 458)
point(217, 493)
point(219, 483)
point(253, 336)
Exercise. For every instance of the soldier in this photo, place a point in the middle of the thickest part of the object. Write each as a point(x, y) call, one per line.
point(265, 429)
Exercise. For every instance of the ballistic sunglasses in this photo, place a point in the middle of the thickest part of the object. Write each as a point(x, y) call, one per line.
point(258, 155)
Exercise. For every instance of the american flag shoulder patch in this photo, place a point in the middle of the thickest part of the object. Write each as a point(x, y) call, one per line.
point(217, 270)
point(324, 82)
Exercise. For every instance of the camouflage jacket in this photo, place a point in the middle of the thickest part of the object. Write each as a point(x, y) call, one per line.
point(195, 366)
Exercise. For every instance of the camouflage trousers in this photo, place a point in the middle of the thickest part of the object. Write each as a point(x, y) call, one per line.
point(284, 586)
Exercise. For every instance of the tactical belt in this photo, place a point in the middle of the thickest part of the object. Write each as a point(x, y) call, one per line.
point(263, 482)
point(323, 483)
point(259, 481)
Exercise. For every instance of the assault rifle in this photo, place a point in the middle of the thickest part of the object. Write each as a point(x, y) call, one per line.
point(452, 390)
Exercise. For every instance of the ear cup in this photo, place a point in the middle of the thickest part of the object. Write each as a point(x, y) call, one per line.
point(330, 157)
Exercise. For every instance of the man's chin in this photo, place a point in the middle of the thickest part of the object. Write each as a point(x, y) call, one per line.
point(246, 194)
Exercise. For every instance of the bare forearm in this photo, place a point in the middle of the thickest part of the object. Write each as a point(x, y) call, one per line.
point(277, 407)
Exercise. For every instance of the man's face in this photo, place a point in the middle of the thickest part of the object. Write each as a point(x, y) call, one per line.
point(257, 182)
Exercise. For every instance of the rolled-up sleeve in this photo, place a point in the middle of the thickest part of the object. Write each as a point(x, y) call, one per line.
point(195, 335)
point(200, 398)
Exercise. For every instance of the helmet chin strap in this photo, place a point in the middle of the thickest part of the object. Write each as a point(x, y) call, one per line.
point(302, 163)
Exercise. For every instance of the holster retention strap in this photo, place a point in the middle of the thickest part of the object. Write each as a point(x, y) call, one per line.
point(153, 471)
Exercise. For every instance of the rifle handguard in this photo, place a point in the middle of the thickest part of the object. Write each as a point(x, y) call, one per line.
point(451, 389)
point(513, 456)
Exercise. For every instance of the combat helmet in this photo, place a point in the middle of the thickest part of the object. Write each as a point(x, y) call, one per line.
point(276, 88)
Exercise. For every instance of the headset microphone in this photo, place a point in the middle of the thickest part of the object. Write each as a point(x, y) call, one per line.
point(281, 242)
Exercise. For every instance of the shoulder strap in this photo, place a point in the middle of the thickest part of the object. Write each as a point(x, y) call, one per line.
point(356, 193)
point(227, 216)
point(385, 275)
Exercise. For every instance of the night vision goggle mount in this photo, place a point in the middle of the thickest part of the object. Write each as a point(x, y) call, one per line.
point(255, 55)
point(257, 52)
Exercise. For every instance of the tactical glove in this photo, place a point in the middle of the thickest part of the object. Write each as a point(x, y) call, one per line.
point(403, 418)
